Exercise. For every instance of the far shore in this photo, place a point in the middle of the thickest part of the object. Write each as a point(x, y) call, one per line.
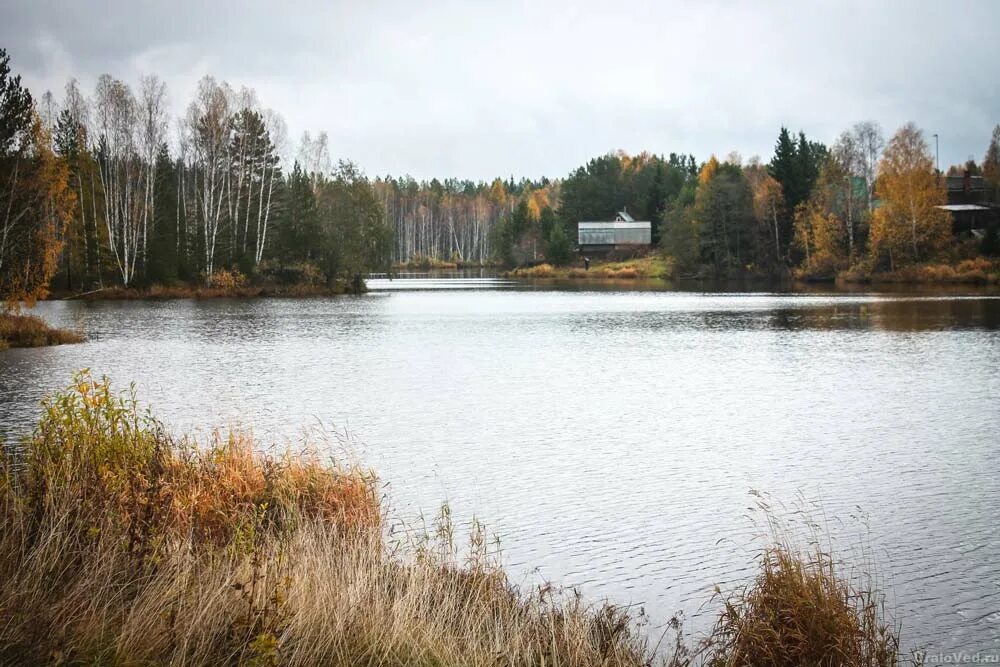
point(653, 271)
point(656, 269)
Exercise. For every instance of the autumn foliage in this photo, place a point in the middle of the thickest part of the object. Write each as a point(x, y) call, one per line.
point(908, 227)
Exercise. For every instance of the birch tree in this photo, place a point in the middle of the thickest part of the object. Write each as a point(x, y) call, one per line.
point(209, 122)
point(908, 226)
point(869, 143)
point(767, 202)
point(152, 110)
point(123, 172)
point(255, 169)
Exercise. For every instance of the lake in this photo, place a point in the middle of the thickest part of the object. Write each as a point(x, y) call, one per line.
point(610, 438)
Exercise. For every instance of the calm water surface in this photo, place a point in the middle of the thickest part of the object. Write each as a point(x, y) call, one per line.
point(610, 438)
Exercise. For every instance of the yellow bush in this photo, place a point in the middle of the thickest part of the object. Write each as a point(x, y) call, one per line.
point(225, 279)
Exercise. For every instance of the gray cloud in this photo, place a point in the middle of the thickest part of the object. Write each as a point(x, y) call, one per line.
point(471, 89)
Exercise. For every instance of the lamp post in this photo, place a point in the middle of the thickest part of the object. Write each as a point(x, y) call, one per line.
point(937, 155)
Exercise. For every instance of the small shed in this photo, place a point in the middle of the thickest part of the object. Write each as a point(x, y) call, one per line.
point(624, 231)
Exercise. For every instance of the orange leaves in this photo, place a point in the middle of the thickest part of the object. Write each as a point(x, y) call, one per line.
point(908, 227)
point(708, 171)
point(821, 237)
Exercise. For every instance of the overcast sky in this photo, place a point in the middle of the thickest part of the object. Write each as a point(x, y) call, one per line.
point(479, 89)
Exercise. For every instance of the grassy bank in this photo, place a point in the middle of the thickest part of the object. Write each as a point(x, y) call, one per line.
point(210, 292)
point(18, 330)
point(651, 267)
point(121, 546)
point(977, 271)
point(422, 263)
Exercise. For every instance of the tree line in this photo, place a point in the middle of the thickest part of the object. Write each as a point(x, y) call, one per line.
point(860, 204)
point(106, 189)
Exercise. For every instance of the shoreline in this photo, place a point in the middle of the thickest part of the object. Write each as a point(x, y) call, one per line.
point(164, 292)
point(655, 269)
point(644, 273)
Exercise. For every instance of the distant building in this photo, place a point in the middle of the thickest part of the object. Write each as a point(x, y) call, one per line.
point(968, 205)
point(622, 232)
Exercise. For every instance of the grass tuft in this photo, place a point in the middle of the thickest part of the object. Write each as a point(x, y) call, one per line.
point(801, 611)
point(18, 330)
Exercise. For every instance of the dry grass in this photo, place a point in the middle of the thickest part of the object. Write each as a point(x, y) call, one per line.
point(423, 263)
point(975, 271)
point(30, 331)
point(801, 611)
point(538, 271)
point(803, 608)
point(642, 268)
point(123, 547)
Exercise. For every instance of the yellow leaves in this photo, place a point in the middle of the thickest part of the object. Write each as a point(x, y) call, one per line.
point(709, 171)
point(908, 227)
point(498, 192)
point(821, 237)
point(534, 210)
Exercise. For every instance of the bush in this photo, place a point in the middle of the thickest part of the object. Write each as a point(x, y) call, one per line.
point(297, 274)
point(225, 279)
point(801, 611)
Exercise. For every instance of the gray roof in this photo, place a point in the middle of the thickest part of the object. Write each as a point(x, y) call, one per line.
point(964, 207)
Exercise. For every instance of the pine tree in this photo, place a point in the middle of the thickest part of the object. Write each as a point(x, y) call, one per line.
point(558, 249)
point(164, 264)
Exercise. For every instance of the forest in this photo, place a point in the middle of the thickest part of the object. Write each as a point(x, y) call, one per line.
point(105, 188)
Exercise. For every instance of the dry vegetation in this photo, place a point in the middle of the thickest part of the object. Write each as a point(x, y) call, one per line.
point(425, 263)
point(975, 271)
point(121, 546)
point(18, 330)
point(642, 268)
point(802, 609)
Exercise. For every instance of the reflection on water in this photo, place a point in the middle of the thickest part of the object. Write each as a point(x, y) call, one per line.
point(434, 280)
point(610, 437)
